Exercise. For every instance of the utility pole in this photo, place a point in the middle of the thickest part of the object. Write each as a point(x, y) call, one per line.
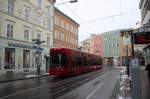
point(126, 42)
point(38, 53)
point(134, 68)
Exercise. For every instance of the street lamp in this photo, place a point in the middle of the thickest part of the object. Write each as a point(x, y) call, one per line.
point(126, 41)
point(71, 1)
point(38, 53)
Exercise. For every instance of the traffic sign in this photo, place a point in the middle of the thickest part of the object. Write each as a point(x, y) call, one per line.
point(135, 63)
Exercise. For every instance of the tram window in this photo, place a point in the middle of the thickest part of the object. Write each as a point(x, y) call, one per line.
point(64, 60)
point(56, 60)
point(59, 60)
point(78, 61)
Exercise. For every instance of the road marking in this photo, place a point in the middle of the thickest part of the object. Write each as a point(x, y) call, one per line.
point(98, 86)
point(94, 90)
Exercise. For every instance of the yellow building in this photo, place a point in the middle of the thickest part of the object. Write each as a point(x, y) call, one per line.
point(21, 21)
point(125, 50)
point(87, 46)
point(66, 31)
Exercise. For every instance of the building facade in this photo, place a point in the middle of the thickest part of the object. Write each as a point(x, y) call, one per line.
point(144, 5)
point(112, 48)
point(97, 45)
point(125, 49)
point(93, 45)
point(66, 31)
point(23, 21)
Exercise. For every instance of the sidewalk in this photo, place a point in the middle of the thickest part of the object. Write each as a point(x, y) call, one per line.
point(145, 88)
point(20, 76)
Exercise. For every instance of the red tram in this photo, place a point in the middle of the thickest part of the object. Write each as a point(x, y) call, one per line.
point(67, 62)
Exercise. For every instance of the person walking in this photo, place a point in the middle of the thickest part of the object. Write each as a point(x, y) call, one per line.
point(148, 70)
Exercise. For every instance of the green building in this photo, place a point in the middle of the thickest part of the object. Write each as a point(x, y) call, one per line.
point(111, 46)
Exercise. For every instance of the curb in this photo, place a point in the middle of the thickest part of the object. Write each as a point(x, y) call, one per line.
point(24, 78)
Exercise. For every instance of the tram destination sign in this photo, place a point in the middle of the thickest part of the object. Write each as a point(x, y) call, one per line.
point(142, 38)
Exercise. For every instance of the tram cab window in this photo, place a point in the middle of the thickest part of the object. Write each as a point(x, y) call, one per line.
point(59, 60)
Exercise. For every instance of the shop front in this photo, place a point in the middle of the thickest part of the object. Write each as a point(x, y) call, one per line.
point(19, 57)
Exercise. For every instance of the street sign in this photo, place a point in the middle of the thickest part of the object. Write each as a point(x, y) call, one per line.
point(135, 63)
point(142, 38)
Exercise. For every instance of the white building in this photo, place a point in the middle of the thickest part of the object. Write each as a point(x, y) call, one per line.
point(21, 21)
point(145, 11)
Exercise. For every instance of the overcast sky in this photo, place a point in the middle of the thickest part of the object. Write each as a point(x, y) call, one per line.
point(98, 16)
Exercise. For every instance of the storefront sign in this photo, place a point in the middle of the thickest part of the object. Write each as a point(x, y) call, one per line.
point(19, 45)
point(142, 38)
point(24, 46)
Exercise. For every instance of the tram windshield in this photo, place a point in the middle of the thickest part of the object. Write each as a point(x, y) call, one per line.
point(59, 60)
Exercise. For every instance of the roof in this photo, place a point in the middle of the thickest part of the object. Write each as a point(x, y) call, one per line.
point(56, 9)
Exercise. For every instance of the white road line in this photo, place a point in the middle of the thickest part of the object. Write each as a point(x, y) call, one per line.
point(90, 95)
point(98, 86)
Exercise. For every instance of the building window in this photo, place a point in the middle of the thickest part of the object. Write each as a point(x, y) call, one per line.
point(48, 24)
point(48, 41)
point(26, 59)
point(26, 35)
point(9, 31)
point(33, 60)
point(39, 3)
point(117, 44)
point(38, 36)
point(38, 19)
point(9, 58)
point(27, 14)
point(124, 49)
point(49, 10)
point(62, 36)
point(55, 35)
point(10, 7)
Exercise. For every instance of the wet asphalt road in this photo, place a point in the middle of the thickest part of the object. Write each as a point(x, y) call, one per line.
point(45, 87)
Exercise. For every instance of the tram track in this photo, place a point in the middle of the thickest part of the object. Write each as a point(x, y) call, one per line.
point(56, 92)
point(57, 86)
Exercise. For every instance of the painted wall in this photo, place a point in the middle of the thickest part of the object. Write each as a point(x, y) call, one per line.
point(69, 28)
point(97, 43)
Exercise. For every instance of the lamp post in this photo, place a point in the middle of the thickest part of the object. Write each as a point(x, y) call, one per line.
point(38, 53)
point(135, 69)
point(126, 41)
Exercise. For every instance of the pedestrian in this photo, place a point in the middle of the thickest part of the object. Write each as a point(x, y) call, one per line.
point(148, 70)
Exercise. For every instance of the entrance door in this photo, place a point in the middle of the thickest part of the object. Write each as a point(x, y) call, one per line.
point(47, 63)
